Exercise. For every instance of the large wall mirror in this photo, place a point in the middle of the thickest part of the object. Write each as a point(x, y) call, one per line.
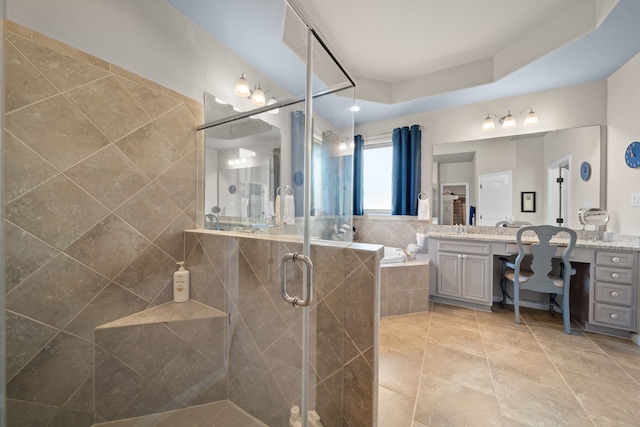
point(536, 178)
point(242, 164)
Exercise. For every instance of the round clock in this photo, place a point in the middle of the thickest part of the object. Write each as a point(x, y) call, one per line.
point(585, 171)
point(632, 155)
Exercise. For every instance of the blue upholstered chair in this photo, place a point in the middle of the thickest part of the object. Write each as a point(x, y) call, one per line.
point(541, 276)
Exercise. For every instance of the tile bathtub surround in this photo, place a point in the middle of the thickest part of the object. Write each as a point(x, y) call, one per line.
point(404, 288)
point(242, 276)
point(388, 231)
point(99, 185)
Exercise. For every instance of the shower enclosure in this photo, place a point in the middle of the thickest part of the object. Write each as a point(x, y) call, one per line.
point(106, 164)
point(294, 308)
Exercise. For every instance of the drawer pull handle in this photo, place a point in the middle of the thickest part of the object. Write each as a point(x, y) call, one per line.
point(615, 259)
point(613, 316)
point(615, 275)
point(615, 294)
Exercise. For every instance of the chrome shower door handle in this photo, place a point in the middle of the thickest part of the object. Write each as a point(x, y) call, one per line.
point(297, 302)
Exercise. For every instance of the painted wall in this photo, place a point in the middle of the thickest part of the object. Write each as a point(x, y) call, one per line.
point(570, 107)
point(624, 127)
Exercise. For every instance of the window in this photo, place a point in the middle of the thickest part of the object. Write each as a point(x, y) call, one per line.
point(377, 178)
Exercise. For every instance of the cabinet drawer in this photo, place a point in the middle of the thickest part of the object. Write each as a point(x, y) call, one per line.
point(616, 259)
point(614, 275)
point(464, 247)
point(611, 315)
point(614, 294)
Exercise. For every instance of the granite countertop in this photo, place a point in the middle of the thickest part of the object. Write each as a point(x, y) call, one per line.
point(624, 244)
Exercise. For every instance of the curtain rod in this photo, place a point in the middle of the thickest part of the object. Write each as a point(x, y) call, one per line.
point(380, 137)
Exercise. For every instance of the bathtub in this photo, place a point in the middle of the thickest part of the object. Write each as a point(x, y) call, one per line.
point(404, 285)
point(392, 255)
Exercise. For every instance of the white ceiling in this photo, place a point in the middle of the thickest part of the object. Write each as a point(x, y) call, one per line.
point(408, 56)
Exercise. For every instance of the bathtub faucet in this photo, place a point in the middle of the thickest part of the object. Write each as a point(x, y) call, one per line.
point(408, 256)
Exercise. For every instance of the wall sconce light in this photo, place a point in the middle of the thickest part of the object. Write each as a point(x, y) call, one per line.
point(272, 100)
point(257, 97)
point(509, 120)
point(242, 87)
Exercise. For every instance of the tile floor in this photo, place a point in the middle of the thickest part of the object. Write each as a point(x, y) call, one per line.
point(460, 367)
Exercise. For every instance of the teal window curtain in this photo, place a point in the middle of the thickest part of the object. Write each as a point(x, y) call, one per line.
point(358, 187)
point(406, 143)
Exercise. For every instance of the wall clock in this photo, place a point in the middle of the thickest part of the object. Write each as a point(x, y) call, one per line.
point(632, 155)
point(585, 171)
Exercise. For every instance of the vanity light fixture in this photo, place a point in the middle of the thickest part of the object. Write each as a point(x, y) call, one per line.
point(257, 96)
point(342, 146)
point(509, 120)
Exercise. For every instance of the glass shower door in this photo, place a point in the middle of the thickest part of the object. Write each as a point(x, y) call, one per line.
point(286, 280)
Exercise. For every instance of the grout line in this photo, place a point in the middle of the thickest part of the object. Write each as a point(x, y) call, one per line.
point(424, 356)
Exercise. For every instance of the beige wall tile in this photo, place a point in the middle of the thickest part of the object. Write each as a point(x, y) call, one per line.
point(109, 246)
point(24, 83)
point(90, 174)
point(110, 107)
point(149, 211)
point(151, 99)
point(57, 131)
point(64, 71)
point(26, 169)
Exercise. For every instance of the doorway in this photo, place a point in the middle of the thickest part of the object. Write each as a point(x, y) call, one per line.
point(454, 201)
point(559, 192)
point(494, 201)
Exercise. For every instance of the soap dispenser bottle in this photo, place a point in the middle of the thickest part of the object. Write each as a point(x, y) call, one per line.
point(181, 284)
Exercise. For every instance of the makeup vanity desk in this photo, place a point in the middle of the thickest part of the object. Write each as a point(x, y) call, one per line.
point(466, 271)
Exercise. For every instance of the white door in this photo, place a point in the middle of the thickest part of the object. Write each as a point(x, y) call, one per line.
point(494, 201)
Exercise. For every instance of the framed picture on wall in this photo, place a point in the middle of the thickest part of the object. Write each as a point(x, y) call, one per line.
point(528, 201)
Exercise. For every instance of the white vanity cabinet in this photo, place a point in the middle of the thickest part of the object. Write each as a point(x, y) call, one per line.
point(464, 271)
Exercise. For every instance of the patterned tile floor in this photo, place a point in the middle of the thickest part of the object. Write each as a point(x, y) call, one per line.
point(460, 367)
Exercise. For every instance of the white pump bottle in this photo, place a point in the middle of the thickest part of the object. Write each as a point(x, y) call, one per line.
point(181, 284)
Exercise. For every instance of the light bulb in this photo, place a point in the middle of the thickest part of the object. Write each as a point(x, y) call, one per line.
point(488, 123)
point(531, 119)
point(257, 98)
point(272, 101)
point(509, 121)
point(242, 87)
point(220, 101)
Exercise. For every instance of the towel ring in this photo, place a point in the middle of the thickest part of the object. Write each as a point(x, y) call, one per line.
point(425, 195)
point(287, 188)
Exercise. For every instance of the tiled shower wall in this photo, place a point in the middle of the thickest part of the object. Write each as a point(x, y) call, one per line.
point(242, 276)
point(100, 182)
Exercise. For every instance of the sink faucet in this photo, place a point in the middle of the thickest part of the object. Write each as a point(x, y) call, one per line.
point(209, 221)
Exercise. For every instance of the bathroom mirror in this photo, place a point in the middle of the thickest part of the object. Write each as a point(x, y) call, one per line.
point(241, 170)
point(505, 167)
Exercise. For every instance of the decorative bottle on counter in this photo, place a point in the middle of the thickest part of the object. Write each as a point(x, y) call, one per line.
point(181, 284)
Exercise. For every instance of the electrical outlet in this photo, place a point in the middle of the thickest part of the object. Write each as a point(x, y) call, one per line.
point(635, 199)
